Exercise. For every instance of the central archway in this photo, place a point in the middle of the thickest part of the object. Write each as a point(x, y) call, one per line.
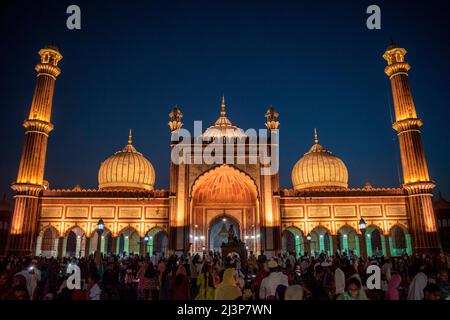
point(223, 192)
point(218, 231)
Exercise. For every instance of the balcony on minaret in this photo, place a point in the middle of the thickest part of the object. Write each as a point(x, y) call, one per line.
point(50, 56)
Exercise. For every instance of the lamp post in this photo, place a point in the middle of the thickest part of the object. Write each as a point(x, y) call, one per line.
point(256, 244)
point(362, 228)
point(145, 245)
point(100, 226)
point(195, 238)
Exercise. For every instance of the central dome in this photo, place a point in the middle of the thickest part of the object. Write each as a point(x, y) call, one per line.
point(223, 127)
point(127, 169)
point(319, 169)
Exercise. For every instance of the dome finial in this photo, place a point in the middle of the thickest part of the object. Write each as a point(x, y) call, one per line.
point(223, 113)
point(316, 137)
point(130, 138)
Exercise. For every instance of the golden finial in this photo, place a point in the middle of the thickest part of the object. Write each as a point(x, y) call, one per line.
point(130, 138)
point(316, 137)
point(223, 113)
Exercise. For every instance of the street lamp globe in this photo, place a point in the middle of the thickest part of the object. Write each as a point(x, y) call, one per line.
point(308, 237)
point(362, 224)
point(100, 224)
point(146, 238)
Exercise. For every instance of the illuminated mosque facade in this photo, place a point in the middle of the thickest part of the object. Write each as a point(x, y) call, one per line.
point(320, 213)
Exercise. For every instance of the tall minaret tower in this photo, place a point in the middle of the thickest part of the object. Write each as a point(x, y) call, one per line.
point(30, 179)
point(416, 180)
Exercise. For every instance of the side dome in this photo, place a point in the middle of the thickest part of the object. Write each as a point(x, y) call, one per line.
point(127, 169)
point(319, 169)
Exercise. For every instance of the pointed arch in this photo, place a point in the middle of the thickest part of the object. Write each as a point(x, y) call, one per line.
point(128, 240)
point(222, 183)
point(321, 240)
point(224, 189)
point(157, 241)
point(47, 242)
point(293, 240)
point(347, 239)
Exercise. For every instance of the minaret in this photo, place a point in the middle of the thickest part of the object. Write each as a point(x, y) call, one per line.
point(416, 180)
point(178, 228)
point(30, 179)
point(270, 187)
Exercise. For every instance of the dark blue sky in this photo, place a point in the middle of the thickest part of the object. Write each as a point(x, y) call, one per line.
point(315, 61)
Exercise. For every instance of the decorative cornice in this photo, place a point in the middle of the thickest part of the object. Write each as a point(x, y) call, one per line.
point(407, 125)
point(27, 188)
point(38, 126)
point(420, 187)
point(330, 192)
point(48, 70)
point(78, 192)
point(397, 68)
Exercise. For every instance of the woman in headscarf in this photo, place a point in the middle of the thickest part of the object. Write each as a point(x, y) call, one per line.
point(393, 284)
point(354, 290)
point(179, 285)
point(143, 286)
point(205, 283)
point(228, 289)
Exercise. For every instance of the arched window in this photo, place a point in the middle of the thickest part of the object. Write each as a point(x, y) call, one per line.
point(398, 238)
point(71, 247)
point(375, 240)
point(48, 240)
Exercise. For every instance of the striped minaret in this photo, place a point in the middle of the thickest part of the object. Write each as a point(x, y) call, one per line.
point(416, 180)
point(30, 179)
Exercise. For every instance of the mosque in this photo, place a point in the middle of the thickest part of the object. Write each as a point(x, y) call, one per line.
point(319, 213)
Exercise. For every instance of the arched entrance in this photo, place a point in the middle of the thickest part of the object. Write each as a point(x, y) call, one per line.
point(375, 241)
point(106, 246)
point(321, 241)
point(348, 240)
point(47, 242)
point(218, 231)
point(128, 242)
point(292, 241)
point(158, 242)
point(400, 241)
point(71, 244)
point(74, 242)
point(224, 192)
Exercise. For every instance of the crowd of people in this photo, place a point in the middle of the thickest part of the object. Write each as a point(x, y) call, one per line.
point(209, 276)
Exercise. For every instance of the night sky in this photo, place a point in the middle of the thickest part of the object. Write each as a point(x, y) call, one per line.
point(315, 61)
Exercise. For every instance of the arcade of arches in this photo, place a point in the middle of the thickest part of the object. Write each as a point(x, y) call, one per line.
point(75, 243)
point(395, 243)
